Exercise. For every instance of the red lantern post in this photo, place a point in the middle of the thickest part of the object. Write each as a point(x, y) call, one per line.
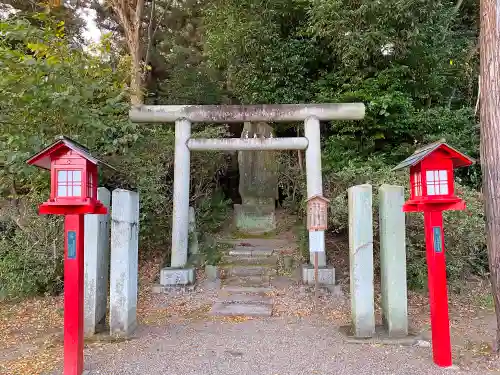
point(432, 192)
point(73, 193)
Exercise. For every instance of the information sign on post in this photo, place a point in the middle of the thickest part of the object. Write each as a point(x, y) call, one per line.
point(317, 216)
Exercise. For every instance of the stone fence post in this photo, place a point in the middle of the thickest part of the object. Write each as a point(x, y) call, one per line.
point(393, 260)
point(124, 262)
point(96, 268)
point(361, 260)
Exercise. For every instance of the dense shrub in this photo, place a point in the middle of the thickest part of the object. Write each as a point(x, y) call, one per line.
point(30, 250)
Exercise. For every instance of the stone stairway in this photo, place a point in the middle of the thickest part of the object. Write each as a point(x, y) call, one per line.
point(246, 278)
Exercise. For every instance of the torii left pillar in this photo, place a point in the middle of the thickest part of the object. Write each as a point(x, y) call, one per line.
point(180, 222)
point(314, 178)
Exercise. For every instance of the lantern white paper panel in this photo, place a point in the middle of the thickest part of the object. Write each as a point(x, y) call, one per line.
point(69, 183)
point(437, 182)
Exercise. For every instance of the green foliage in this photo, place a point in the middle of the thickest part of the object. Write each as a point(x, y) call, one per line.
point(49, 88)
point(413, 64)
point(30, 250)
point(258, 47)
point(211, 250)
point(149, 164)
point(303, 241)
point(413, 68)
point(292, 181)
point(212, 212)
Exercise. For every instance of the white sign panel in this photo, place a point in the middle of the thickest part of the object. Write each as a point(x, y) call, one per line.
point(317, 242)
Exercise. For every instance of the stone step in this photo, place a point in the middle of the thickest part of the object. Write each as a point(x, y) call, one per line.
point(257, 281)
point(251, 252)
point(245, 298)
point(255, 248)
point(253, 242)
point(241, 309)
point(249, 270)
point(228, 260)
point(246, 289)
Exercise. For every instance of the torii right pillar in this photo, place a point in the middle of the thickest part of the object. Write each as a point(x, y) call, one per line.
point(314, 184)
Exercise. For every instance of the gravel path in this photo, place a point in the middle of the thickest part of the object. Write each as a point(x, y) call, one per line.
point(274, 346)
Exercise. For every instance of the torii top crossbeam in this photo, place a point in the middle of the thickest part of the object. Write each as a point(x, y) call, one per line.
point(251, 113)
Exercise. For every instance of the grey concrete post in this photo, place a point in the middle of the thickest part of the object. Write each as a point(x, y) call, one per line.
point(314, 182)
point(361, 260)
point(96, 258)
point(124, 259)
point(393, 260)
point(180, 217)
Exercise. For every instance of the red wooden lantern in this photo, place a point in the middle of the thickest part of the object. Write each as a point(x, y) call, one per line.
point(432, 177)
point(73, 178)
point(432, 190)
point(73, 193)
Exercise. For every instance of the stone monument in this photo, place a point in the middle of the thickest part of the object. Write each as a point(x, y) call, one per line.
point(258, 184)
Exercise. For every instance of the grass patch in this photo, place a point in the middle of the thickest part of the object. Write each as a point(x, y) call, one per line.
point(212, 250)
point(485, 301)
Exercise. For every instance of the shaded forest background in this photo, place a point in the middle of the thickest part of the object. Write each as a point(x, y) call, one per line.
point(414, 64)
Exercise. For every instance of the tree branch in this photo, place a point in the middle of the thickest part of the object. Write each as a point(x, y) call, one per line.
point(150, 33)
point(138, 14)
point(457, 6)
point(158, 22)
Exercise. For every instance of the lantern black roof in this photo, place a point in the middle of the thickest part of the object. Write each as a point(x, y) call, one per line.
point(459, 159)
point(42, 158)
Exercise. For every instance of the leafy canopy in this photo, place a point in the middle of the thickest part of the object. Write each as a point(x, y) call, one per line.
point(50, 87)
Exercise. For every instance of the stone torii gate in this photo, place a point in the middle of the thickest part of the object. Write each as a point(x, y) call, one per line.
point(185, 115)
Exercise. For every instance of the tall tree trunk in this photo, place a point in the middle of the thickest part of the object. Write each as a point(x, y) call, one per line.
point(490, 141)
point(130, 16)
point(136, 73)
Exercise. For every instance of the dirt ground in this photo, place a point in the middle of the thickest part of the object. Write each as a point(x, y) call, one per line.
point(31, 330)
